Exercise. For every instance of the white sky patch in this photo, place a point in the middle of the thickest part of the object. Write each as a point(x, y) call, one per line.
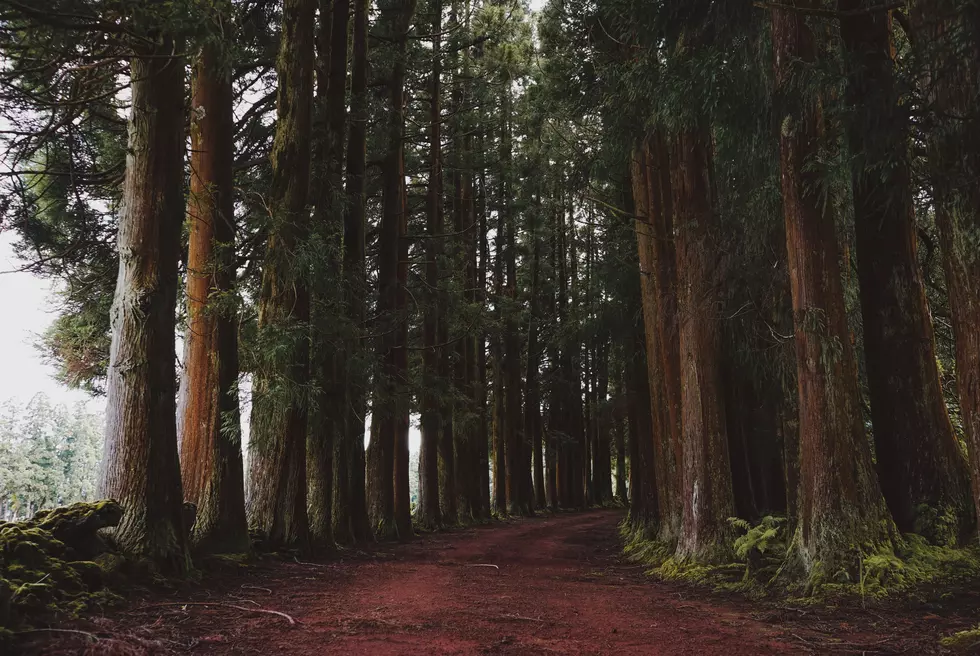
point(28, 311)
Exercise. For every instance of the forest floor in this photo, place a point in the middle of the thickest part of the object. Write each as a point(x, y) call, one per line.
point(556, 584)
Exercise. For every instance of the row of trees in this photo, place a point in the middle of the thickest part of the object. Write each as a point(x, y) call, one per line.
point(366, 232)
point(787, 165)
point(686, 233)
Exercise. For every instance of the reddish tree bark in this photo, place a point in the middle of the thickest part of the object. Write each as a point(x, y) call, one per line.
point(949, 40)
point(209, 431)
point(706, 478)
point(140, 466)
point(840, 506)
point(923, 475)
point(658, 278)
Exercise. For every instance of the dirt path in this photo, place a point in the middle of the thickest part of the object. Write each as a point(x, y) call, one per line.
point(552, 585)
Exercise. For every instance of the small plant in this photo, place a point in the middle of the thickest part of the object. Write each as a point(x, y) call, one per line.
point(764, 541)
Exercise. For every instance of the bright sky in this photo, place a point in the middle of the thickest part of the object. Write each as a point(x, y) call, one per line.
point(28, 311)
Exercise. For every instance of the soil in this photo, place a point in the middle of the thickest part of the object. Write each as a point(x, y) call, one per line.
point(556, 584)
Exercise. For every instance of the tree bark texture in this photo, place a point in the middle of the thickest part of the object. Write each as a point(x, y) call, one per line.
point(349, 516)
point(209, 424)
point(923, 474)
point(949, 39)
point(658, 280)
point(839, 498)
point(706, 478)
point(276, 502)
point(140, 466)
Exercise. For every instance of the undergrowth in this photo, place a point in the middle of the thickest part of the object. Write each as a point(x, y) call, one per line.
point(963, 642)
point(761, 551)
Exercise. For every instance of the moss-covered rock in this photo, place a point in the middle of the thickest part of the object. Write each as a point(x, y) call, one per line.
point(46, 562)
point(78, 525)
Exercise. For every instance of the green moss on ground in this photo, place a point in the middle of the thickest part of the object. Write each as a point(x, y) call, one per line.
point(963, 642)
point(766, 565)
point(47, 567)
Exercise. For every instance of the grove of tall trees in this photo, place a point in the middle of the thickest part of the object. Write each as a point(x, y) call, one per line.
point(715, 261)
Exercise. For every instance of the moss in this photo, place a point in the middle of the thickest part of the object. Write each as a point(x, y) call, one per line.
point(6, 599)
point(770, 564)
point(89, 572)
point(40, 573)
point(963, 642)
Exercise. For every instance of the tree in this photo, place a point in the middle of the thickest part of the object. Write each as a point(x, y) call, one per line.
point(350, 518)
point(923, 474)
point(277, 446)
point(140, 466)
point(839, 506)
point(388, 455)
point(327, 362)
point(428, 513)
point(948, 44)
point(209, 428)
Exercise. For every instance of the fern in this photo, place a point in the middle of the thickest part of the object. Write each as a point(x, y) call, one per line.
point(764, 538)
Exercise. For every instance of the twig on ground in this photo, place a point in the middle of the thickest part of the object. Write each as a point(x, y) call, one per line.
point(482, 565)
point(291, 621)
point(523, 619)
point(300, 562)
point(244, 600)
point(246, 586)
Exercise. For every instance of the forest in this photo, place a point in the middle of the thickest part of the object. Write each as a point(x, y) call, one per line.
point(715, 261)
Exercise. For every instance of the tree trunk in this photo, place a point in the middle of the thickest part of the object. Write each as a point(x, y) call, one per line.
point(643, 504)
point(483, 438)
point(923, 474)
point(840, 507)
point(431, 419)
point(513, 402)
point(706, 478)
point(532, 416)
point(277, 445)
point(654, 232)
point(349, 516)
point(390, 509)
point(601, 469)
point(209, 430)
point(576, 460)
point(140, 466)
point(500, 473)
point(949, 42)
point(328, 361)
point(618, 438)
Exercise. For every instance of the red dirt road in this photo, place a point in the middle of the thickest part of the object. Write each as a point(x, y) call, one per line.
point(551, 585)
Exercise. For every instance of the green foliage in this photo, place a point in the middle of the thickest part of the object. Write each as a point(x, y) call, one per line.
point(767, 538)
point(50, 454)
point(963, 642)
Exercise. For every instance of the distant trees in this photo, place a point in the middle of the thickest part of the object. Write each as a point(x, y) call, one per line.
point(51, 456)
